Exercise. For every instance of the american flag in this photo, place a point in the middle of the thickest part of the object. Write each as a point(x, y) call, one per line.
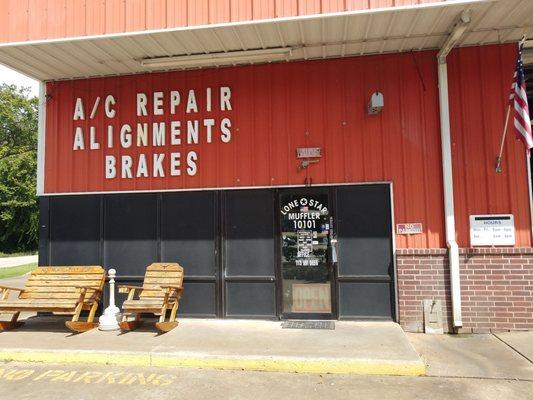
point(518, 102)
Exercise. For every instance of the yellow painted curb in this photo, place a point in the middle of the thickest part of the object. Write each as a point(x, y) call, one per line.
point(315, 366)
point(270, 364)
point(77, 357)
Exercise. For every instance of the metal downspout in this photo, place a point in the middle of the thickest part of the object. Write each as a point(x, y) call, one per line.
point(447, 171)
point(449, 209)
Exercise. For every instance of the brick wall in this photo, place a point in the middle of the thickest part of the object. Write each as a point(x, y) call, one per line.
point(497, 287)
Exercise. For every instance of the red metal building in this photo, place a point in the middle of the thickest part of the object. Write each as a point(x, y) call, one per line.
point(176, 129)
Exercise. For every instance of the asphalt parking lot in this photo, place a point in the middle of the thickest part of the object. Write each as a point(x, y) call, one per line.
point(30, 381)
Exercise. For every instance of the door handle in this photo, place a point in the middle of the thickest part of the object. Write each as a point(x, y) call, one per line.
point(334, 251)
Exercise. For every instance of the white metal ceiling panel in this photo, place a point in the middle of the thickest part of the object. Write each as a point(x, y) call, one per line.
point(324, 36)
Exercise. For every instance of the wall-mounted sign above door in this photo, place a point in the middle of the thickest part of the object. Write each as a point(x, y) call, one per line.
point(308, 152)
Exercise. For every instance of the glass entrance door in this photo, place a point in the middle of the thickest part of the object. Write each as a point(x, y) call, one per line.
point(306, 257)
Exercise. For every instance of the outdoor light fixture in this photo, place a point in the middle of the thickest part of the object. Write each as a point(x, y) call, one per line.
point(376, 103)
point(230, 57)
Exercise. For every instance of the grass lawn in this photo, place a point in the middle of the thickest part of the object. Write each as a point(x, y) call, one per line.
point(19, 254)
point(11, 272)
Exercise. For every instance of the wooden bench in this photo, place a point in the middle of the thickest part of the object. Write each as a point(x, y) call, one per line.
point(61, 290)
point(161, 291)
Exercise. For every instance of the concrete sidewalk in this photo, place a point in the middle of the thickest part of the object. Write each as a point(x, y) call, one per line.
point(379, 348)
point(479, 356)
point(7, 262)
point(521, 342)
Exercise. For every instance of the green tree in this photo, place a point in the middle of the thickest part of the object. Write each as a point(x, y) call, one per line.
point(19, 213)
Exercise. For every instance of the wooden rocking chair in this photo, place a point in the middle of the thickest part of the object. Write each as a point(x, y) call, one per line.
point(161, 290)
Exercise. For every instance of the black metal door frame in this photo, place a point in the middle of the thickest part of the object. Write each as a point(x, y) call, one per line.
point(330, 192)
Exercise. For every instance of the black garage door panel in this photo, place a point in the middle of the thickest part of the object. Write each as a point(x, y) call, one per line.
point(364, 300)
point(189, 236)
point(249, 233)
point(250, 299)
point(130, 235)
point(74, 230)
point(188, 232)
point(369, 256)
point(199, 299)
point(365, 268)
point(249, 253)
point(364, 230)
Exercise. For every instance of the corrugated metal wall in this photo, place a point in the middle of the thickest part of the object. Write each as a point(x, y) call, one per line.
point(22, 20)
point(279, 107)
point(480, 81)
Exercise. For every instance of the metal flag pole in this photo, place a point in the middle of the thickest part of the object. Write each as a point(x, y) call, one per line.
point(530, 189)
point(504, 134)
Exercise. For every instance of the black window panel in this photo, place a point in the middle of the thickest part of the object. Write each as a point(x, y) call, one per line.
point(249, 233)
point(199, 299)
point(250, 299)
point(364, 230)
point(365, 300)
point(130, 233)
point(74, 230)
point(188, 231)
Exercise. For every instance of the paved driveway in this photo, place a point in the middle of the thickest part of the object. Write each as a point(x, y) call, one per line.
point(6, 262)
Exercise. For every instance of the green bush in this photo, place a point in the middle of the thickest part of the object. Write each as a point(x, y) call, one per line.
point(19, 213)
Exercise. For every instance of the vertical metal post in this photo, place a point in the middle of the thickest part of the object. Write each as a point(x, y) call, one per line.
point(394, 260)
point(529, 185)
point(41, 134)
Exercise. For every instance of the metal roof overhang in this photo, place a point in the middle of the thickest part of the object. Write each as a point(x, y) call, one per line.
point(376, 31)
